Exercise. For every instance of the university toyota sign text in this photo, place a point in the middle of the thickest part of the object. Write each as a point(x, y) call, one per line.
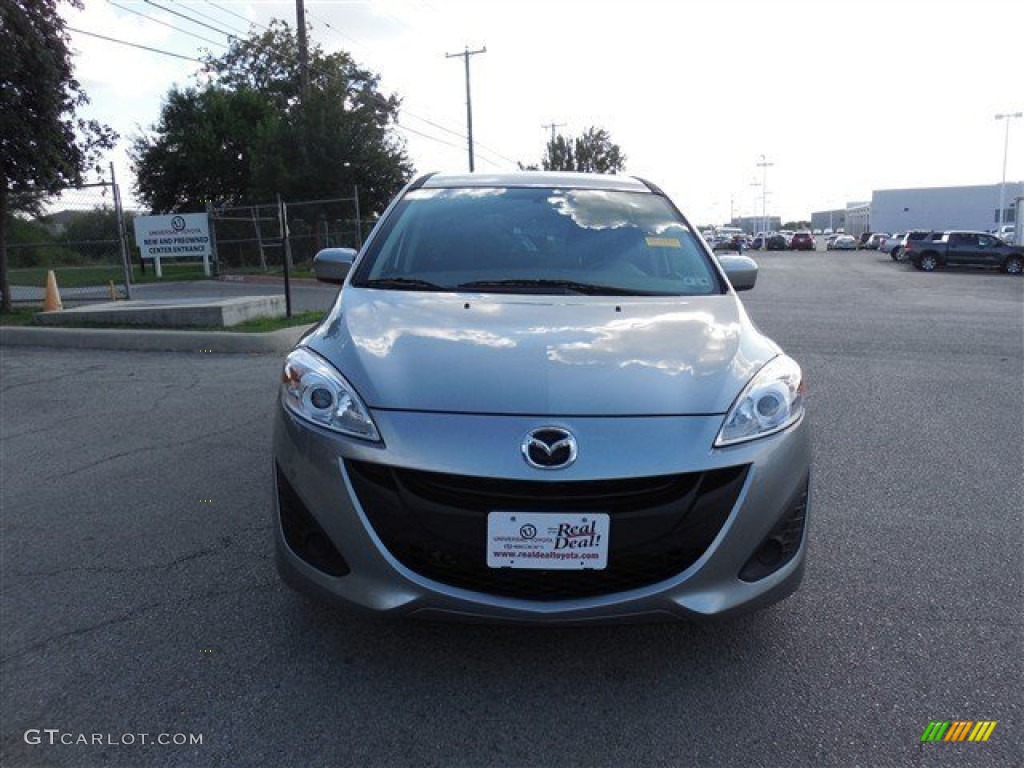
point(178, 235)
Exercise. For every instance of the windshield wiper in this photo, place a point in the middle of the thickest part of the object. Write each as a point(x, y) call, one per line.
point(402, 284)
point(567, 286)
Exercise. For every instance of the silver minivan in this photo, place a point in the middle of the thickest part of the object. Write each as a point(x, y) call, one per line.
point(538, 398)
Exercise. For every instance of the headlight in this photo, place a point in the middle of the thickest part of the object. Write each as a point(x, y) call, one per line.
point(772, 401)
point(313, 390)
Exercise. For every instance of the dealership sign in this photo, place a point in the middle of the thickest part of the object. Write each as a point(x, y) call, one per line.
point(177, 236)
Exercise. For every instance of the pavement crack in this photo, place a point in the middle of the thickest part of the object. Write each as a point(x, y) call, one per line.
point(46, 641)
point(157, 447)
point(36, 431)
point(225, 543)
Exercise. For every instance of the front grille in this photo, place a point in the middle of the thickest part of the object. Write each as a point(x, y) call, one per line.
point(436, 525)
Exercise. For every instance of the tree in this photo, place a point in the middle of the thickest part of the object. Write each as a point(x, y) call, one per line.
point(210, 147)
point(247, 133)
point(593, 152)
point(44, 146)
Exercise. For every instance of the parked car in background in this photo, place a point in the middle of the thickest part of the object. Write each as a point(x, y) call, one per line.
point(966, 249)
point(474, 433)
point(842, 243)
point(787, 234)
point(777, 242)
point(875, 241)
point(892, 244)
point(730, 243)
point(862, 241)
point(914, 235)
point(802, 241)
point(1005, 233)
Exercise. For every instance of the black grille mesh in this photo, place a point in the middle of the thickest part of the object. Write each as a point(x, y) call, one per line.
point(436, 525)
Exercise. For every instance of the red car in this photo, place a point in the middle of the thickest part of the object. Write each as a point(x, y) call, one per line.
point(802, 241)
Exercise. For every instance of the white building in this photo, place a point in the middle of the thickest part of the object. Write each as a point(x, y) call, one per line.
point(938, 208)
point(859, 219)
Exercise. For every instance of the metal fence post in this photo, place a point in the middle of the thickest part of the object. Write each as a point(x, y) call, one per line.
point(282, 214)
point(211, 223)
point(121, 237)
point(359, 223)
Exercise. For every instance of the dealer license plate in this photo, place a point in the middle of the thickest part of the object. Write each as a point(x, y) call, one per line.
point(546, 540)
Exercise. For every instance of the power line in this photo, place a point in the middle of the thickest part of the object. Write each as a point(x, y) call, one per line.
point(237, 16)
point(443, 141)
point(189, 18)
point(218, 21)
point(428, 136)
point(164, 23)
point(134, 45)
point(405, 111)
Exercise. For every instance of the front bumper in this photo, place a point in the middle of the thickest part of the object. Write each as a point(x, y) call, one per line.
point(315, 467)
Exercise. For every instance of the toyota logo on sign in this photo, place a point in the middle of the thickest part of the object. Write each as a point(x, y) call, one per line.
point(178, 223)
point(549, 448)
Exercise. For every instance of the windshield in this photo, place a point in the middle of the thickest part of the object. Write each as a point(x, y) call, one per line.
point(527, 240)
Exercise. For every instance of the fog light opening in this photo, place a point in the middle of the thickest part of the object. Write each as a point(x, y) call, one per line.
point(770, 552)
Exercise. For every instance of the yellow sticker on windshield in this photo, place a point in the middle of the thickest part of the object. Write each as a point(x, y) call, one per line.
point(662, 242)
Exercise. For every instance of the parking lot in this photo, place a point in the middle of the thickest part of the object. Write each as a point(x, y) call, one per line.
point(140, 597)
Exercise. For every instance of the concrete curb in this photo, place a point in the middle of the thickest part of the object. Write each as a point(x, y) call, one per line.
point(272, 343)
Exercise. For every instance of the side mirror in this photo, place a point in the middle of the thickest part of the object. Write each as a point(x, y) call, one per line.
point(741, 271)
point(331, 265)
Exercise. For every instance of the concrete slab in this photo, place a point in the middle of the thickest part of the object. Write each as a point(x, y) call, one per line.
point(195, 312)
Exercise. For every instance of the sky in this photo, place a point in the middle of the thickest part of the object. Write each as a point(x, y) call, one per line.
point(840, 97)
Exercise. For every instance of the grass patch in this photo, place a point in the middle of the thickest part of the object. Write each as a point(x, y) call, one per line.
point(79, 277)
point(19, 316)
point(266, 324)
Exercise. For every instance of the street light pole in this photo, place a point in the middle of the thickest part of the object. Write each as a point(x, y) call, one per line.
point(764, 165)
point(756, 183)
point(1007, 116)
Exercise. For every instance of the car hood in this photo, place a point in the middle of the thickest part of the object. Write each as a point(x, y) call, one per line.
point(542, 355)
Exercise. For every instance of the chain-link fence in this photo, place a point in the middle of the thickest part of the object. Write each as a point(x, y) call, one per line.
point(317, 224)
point(258, 238)
point(248, 239)
point(82, 239)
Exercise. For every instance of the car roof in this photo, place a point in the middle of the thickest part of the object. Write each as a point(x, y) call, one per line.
point(537, 179)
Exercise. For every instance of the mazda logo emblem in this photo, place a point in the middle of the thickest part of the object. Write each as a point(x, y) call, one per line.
point(549, 448)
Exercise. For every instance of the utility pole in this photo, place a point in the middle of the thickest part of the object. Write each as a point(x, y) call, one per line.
point(764, 165)
point(1006, 147)
point(552, 125)
point(300, 22)
point(469, 101)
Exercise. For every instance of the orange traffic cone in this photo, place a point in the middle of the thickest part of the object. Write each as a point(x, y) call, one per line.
point(52, 300)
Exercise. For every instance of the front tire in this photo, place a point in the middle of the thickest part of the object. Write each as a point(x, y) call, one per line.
point(928, 262)
point(894, 254)
point(1014, 265)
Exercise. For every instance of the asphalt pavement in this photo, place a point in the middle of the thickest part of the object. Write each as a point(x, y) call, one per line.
point(139, 594)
